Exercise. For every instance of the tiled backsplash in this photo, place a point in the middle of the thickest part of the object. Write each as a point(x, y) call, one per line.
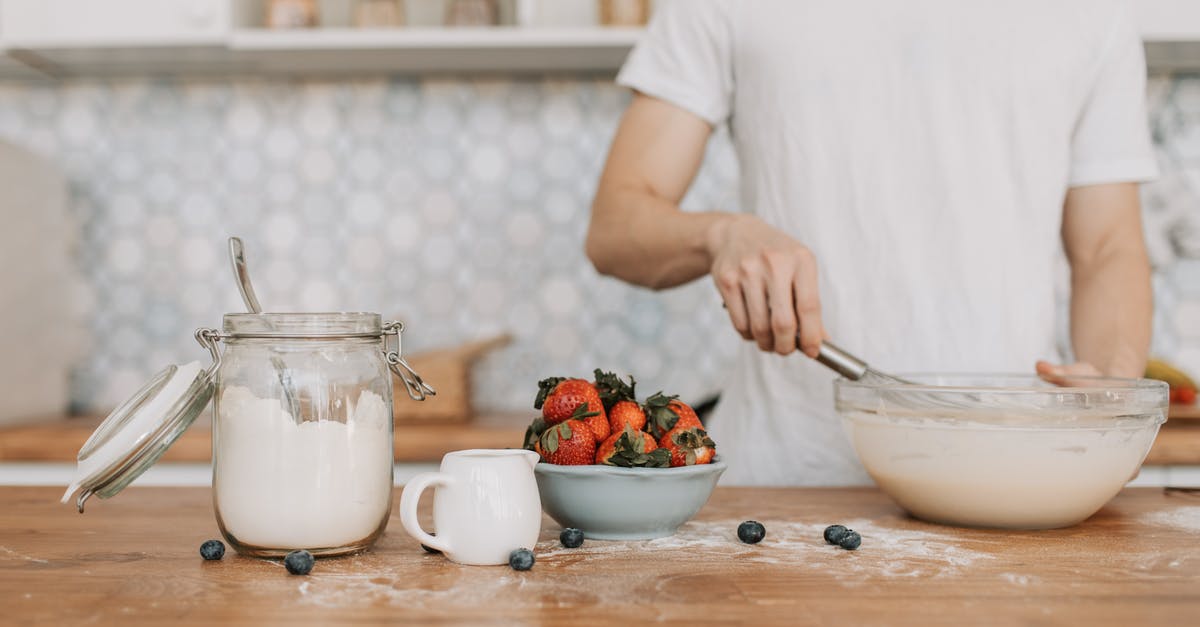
point(458, 206)
point(1172, 219)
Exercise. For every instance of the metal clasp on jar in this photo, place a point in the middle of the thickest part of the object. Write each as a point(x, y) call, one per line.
point(416, 387)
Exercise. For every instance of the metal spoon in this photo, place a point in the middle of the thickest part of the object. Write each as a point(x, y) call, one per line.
point(237, 255)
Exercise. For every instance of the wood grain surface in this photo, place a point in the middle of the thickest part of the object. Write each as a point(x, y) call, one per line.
point(60, 440)
point(1184, 412)
point(133, 561)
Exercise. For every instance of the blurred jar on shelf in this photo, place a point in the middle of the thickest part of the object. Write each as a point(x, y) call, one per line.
point(283, 14)
point(624, 12)
point(379, 14)
point(472, 13)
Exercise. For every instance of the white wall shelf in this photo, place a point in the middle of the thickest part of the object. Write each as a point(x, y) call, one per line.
point(510, 37)
point(417, 50)
point(12, 68)
point(64, 38)
point(1171, 30)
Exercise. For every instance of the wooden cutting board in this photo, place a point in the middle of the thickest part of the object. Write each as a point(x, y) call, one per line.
point(449, 372)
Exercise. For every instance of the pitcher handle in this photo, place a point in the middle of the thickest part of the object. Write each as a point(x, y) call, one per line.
point(408, 508)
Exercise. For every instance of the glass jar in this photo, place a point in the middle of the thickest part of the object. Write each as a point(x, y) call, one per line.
point(302, 433)
point(284, 14)
point(379, 14)
point(624, 12)
point(302, 429)
point(472, 13)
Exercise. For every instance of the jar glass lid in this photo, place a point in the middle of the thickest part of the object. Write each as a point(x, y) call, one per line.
point(140, 430)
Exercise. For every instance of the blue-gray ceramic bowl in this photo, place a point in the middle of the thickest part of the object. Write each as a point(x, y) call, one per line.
point(611, 503)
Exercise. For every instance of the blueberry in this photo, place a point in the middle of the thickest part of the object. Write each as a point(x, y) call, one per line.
point(299, 562)
point(751, 532)
point(851, 540)
point(835, 533)
point(521, 559)
point(571, 538)
point(212, 550)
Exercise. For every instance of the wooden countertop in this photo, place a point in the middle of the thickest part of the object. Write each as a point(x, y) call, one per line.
point(59, 440)
point(133, 560)
point(1178, 441)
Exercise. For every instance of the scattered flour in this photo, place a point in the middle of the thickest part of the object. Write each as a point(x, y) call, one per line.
point(35, 560)
point(1185, 518)
point(1021, 580)
point(886, 553)
point(904, 553)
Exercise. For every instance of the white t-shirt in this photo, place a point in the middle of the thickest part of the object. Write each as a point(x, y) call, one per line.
point(922, 150)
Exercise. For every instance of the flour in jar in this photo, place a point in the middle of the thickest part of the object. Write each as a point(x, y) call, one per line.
point(314, 484)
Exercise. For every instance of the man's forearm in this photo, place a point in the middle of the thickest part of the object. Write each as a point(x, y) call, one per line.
point(1111, 310)
point(646, 240)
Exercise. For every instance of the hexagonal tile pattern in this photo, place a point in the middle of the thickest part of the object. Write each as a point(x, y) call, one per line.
point(458, 205)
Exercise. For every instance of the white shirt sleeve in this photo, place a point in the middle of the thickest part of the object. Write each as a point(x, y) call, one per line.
point(1111, 142)
point(685, 58)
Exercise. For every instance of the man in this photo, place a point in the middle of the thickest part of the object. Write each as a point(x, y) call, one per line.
point(910, 172)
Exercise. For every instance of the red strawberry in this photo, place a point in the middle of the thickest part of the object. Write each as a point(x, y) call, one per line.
point(558, 398)
point(1183, 396)
point(665, 413)
point(568, 443)
point(626, 414)
point(597, 422)
point(632, 449)
point(688, 446)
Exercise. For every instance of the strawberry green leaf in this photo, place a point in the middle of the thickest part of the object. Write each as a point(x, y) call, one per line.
point(545, 387)
point(658, 458)
point(582, 412)
point(661, 417)
point(534, 431)
point(612, 389)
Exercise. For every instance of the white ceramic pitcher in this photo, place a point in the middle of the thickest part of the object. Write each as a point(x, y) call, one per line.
point(485, 506)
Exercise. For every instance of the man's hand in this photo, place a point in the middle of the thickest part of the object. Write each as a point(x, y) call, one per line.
point(769, 284)
point(1065, 375)
point(638, 233)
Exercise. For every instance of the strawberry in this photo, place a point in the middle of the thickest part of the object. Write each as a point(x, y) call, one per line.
point(612, 389)
point(632, 449)
point(1183, 396)
point(568, 443)
point(596, 421)
point(688, 446)
point(558, 398)
point(626, 414)
point(665, 413)
point(620, 401)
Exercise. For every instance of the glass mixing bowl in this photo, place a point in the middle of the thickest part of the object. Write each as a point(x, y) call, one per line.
point(1002, 451)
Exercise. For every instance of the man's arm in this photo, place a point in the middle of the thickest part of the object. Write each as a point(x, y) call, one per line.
point(1111, 299)
point(638, 233)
